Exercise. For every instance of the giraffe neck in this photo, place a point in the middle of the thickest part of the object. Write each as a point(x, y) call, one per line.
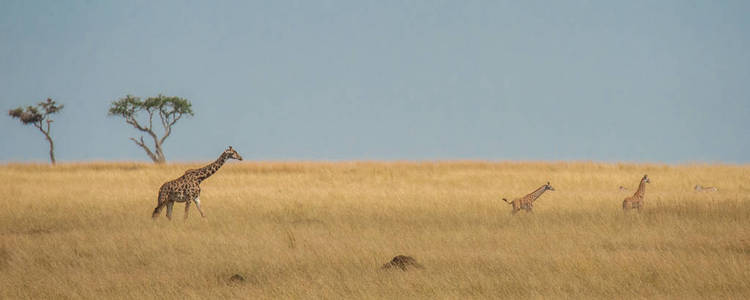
point(538, 192)
point(641, 189)
point(211, 168)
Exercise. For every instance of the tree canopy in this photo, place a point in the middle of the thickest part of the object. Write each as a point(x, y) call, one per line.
point(169, 109)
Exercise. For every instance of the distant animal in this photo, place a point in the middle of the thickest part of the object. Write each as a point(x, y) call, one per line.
point(527, 202)
point(623, 189)
point(700, 188)
point(187, 189)
point(636, 201)
point(402, 262)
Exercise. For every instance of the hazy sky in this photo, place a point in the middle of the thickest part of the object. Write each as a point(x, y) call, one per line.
point(644, 81)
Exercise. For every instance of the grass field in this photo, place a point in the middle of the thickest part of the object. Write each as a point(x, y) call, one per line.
point(322, 230)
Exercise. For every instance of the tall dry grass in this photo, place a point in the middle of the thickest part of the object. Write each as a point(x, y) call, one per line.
point(321, 230)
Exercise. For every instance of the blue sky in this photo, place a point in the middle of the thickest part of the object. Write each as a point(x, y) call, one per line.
point(640, 81)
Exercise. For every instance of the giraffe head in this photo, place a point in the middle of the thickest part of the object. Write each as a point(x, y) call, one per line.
point(548, 187)
point(645, 179)
point(231, 153)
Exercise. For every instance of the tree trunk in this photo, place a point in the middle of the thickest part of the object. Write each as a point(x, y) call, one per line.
point(160, 159)
point(49, 139)
point(51, 149)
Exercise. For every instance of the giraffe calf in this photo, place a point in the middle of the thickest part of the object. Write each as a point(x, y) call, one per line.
point(527, 202)
point(636, 201)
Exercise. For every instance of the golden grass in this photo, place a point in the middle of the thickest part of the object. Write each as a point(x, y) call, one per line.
point(322, 230)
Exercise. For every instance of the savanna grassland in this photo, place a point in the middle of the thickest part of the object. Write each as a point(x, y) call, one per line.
point(322, 230)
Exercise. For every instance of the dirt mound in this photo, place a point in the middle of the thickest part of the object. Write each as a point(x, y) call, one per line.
point(236, 278)
point(402, 262)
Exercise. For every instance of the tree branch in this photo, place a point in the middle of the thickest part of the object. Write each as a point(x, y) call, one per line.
point(143, 145)
point(150, 119)
point(175, 120)
point(41, 128)
point(134, 122)
point(164, 117)
point(168, 126)
point(167, 132)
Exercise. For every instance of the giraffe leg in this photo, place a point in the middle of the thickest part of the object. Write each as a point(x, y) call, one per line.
point(527, 207)
point(187, 208)
point(170, 204)
point(198, 205)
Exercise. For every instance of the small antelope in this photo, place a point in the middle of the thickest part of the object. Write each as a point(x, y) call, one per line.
point(636, 201)
point(527, 202)
point(623, 189)
point(700, 188)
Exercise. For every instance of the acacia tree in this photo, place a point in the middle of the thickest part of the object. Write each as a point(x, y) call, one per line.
point(168, 109)
point(39, 116)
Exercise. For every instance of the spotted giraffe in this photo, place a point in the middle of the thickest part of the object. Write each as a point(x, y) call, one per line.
point(636, 201)
point(527, 202)
point(187, 187)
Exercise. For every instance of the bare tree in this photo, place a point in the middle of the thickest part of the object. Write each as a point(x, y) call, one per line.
point(40, 117)
point(168, 109)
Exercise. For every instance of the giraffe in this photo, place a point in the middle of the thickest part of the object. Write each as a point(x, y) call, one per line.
point(187, 189)
point(700, 188)
point(636, 201)
point(527, 202)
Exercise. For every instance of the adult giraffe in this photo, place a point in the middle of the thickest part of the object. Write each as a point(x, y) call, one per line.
point(187, 188)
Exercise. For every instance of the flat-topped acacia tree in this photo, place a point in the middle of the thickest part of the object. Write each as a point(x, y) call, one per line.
point(168, 109)
point(40, 117)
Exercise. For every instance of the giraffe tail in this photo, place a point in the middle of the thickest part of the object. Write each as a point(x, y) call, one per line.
point(159, 204)
point(506, 200)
